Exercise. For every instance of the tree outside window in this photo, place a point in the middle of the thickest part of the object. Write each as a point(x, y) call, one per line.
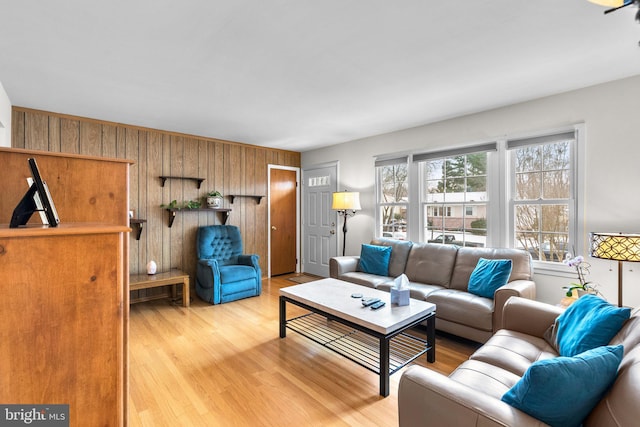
point(393, 199)
point(542, 196)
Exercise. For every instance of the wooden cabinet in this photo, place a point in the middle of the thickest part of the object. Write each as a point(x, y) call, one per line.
point(64, 313)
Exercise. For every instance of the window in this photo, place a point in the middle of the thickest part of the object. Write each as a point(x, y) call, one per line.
point(542, 195)
point(439, 210)
point(519, 193)
point(453, 188)
point(392, 182)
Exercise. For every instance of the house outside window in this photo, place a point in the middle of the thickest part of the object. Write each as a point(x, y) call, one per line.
point(454, 195)
point(392, 198)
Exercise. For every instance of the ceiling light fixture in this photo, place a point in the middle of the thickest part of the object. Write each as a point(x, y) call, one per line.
point(616, 4)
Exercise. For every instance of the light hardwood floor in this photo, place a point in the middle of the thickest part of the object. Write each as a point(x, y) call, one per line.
point(225, 365)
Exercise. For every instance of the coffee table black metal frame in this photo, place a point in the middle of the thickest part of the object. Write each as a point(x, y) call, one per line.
point(347, 343)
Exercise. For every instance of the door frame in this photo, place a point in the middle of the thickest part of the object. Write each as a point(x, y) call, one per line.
point(297, 170)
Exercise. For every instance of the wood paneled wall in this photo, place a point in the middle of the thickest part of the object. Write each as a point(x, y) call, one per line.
point(229, 167)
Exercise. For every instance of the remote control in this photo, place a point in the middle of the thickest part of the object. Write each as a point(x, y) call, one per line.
point(377, 305)
point(369, 301)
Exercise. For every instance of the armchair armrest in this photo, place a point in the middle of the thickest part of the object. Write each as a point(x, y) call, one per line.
point(428, 398)
point(253, 261)
point(343, 264)
point(250, 260)
point(529, 316)
point(515, 288)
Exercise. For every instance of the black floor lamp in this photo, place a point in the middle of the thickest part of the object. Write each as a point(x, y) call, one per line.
point(617, 247)
point(346, 203)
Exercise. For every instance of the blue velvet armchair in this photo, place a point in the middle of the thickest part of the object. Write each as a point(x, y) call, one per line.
point(223, 273)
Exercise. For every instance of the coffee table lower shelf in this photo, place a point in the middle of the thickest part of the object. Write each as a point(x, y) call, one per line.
point(358, 346)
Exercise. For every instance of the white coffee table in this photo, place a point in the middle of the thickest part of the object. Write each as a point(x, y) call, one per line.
point(375, 339)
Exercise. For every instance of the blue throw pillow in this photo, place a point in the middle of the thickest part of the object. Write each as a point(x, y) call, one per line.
point(489, 275)
point(562, 391)
point(588, 323)
point(375, 259)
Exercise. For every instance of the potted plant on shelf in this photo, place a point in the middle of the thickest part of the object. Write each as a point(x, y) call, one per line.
point(214, 199)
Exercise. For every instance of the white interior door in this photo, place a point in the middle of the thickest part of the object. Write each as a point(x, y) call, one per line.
point(319, 221)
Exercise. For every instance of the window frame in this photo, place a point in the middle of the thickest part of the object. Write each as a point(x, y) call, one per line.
point(379, 164)
point(490, 148)
point(575, 200)
point(500, 233)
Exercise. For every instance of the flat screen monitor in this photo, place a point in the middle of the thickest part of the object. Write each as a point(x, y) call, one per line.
point(36, 199)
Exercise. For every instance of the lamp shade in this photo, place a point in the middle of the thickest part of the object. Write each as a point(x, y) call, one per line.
point(615, 246)
point(611, 3)
point(346, 200)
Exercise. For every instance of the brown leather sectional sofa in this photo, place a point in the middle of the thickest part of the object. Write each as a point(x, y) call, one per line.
point(439, 274)
point(471, 395)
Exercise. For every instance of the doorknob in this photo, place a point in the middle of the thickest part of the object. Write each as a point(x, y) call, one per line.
point(332, 231)
point(273, 228)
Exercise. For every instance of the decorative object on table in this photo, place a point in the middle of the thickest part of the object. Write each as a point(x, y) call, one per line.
point(617, 247)
point(400, 291)
point(346, 203)
point(152, 267)
point(214, 199)
point(582, 269)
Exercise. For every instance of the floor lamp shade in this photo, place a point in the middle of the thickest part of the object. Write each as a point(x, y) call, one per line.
point(346, 203)
point(616, 247)
point(346, 200)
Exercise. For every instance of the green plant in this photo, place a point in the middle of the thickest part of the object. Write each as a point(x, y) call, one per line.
point(214, 193)
point(172, 205)
point(189, 204)
point(192, 204)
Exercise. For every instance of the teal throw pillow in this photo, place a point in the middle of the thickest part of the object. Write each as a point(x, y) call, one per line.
point(588, 323)
point(562, 391)
point(489, 275)
point(375, 259)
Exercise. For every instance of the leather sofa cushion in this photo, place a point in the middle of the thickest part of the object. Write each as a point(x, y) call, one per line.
point(485, 378)
point(514, 351)
point(431, 263)
point(365, 279)
point(463, 308)
point(399, 254)
point(416, 290)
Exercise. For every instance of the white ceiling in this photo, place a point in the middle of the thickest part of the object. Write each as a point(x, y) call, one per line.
point(301, 74)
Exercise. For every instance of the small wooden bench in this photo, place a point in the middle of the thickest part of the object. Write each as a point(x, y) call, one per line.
point(172, 277)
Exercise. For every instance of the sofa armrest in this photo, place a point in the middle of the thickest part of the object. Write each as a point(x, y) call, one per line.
point(340, 265)
point(515, 288)
point(529, 316)
point(428, 398)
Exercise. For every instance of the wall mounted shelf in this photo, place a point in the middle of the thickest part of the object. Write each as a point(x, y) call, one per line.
point(137, 223)
point(223, 211)
point(165, 178)
point(258, 197)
